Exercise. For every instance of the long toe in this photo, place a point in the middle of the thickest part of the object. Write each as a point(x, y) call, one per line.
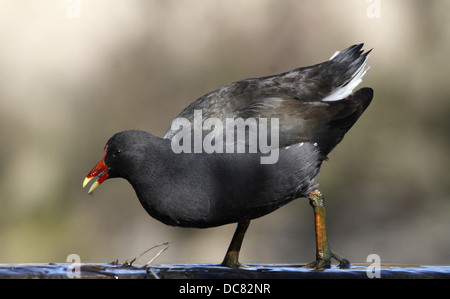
point(343, 262)
point(325, 263)
point(233, 265)
point(319, 264)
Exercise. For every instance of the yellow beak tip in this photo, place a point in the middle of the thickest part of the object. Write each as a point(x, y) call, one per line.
point(86, 181)
point(93, 187)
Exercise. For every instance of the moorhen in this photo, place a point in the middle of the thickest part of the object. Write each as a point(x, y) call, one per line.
point(203, 180)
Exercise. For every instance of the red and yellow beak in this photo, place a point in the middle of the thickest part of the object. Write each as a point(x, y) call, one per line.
point(100, 170)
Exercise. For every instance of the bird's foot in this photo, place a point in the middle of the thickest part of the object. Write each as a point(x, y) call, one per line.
point(325, 262)
point(231, 260)
point(235, 265)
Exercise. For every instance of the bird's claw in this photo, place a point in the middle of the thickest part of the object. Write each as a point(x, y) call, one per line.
point(236, 265)
point(325, 262)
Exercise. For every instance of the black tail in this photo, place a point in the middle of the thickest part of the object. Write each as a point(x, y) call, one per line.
point(344, 115)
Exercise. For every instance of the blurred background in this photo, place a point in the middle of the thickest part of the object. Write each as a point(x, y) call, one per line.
point(74, 72)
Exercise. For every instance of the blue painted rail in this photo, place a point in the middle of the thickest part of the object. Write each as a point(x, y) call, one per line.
point(213, 271)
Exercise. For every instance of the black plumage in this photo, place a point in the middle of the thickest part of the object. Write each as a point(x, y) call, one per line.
point(315, 107)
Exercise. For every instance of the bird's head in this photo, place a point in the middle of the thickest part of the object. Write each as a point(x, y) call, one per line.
point(121, 153)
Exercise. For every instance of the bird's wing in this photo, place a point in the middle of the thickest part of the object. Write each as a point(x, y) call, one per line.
point(312, 103)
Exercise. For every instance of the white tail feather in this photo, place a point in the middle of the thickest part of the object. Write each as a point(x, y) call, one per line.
point(335, 54)
point(345, 90)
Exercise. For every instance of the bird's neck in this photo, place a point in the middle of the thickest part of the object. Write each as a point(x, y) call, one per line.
point(152, 178)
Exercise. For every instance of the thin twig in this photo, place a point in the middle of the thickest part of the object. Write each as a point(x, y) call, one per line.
point(166, 244)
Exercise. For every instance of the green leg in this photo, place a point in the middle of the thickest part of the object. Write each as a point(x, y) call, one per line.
point(232, 256)
point(323, 251)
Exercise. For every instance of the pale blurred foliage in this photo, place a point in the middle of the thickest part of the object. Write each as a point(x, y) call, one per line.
point(68, 84)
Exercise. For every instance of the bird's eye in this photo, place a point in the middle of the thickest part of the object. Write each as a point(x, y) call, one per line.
point(117, 153)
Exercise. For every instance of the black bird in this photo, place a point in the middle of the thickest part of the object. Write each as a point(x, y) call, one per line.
point(195, 187)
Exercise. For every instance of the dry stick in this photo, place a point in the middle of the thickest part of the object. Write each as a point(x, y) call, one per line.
point(166, 244)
